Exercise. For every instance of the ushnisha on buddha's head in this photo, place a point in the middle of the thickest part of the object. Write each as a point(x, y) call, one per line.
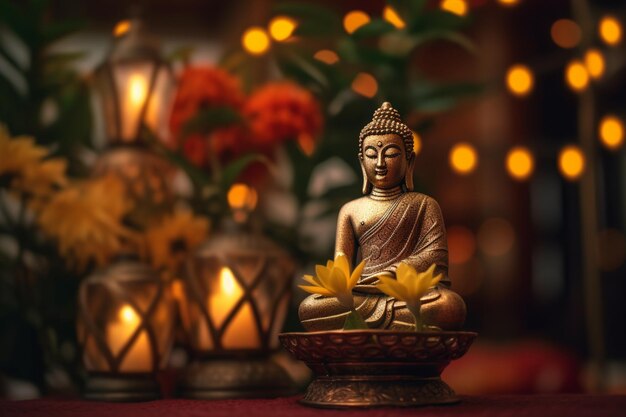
point(386, 151)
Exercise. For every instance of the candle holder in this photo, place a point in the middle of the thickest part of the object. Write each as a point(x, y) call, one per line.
point(125, 329)
point(146, 176)
point(238, 288)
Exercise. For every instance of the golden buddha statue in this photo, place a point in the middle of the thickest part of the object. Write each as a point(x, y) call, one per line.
point(389, 225)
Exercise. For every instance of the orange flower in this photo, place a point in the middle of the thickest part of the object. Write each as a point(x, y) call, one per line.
point(203, 87)
point(283, 111)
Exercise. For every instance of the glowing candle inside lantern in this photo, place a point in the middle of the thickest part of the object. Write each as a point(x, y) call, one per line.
point(139, 356)
point(135, 97)
point(241, 331)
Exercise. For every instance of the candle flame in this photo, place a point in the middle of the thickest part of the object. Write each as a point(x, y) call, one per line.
point(228, 282)
point(138, 89)
point(127, 314)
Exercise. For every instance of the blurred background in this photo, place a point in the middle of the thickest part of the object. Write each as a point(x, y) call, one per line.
point(517, 108)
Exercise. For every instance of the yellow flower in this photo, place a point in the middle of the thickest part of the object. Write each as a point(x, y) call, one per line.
point(23, 166)
point(86, 221)
point(170, 240)
point(409, 286)
point(335, 280)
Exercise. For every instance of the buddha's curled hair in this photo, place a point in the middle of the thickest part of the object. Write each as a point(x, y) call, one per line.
point(387, 120)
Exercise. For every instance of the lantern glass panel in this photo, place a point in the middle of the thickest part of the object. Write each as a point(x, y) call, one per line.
point(133, 87)
point(237, 298)
point(126, 321)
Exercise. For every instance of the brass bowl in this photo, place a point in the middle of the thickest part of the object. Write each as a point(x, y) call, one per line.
point(374, 368)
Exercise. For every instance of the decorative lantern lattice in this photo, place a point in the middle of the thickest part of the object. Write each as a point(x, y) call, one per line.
point(125, 328)
point(238, 291)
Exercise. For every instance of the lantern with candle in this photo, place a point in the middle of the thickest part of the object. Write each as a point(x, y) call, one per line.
point(134, 86)
point(125, 328)
point(238, 287)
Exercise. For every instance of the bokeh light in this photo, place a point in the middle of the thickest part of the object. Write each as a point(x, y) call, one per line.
point(571, 162)
point(417, 143)
point(576, 75)
point(354, 20)
point(281, 28)
point(610, 30)
point(611, 132)
point(519, 80)
point(463, 158)
point(457, 7)
point(461, 244)
point(496, 237)
point(566, 33)
point(241, 196)
point(255, 41)
point(391, 16)
point(365, 84)
point(326, 56)
point(121, 28)
point(594, 62)
point(611, 249)
point(520, 163)
point(508, 2)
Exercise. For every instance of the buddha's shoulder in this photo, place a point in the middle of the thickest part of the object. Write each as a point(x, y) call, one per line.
point(352, 205)
point(420, 198)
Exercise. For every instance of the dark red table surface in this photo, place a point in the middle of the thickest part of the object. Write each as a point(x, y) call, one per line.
point(498, 406)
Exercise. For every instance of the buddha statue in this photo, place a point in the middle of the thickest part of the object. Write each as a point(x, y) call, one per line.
point(390, 224)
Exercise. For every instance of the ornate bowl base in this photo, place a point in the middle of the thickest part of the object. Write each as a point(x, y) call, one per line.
point(376, 368)
point(241, 378)
point(349, 393)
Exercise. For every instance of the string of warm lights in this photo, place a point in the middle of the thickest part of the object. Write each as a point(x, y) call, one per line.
point(519, 81)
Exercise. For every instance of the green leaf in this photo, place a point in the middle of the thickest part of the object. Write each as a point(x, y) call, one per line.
point(230, 173)
point(375, 27)
point(437, 20)
point(313, 20)
point(364, 55)
point(445, 35)
point(354, 321)
point(197, 176)
point(207, 120)
point(21, 22)
point(8, 57)
point(302, 70)
point(52, 32)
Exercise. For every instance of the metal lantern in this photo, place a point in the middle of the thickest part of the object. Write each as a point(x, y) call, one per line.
point(125, 328)
point(134, 85)
point(237, 294)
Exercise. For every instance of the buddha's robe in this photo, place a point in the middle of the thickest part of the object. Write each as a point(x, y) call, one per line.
point(411, 230)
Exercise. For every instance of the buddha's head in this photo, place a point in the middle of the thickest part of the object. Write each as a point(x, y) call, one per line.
point(386, 151)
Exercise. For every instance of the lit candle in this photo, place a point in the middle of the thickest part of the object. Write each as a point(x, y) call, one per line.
point(136, 93)
point(139, 356)
point(241, 332)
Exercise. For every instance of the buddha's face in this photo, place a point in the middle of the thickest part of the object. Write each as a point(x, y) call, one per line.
point(384, 160)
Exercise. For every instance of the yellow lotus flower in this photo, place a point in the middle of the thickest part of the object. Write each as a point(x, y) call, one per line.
point(409, 286)
point(23, 167)
point(335, 280)
point(170, 240)
point(86, 220)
